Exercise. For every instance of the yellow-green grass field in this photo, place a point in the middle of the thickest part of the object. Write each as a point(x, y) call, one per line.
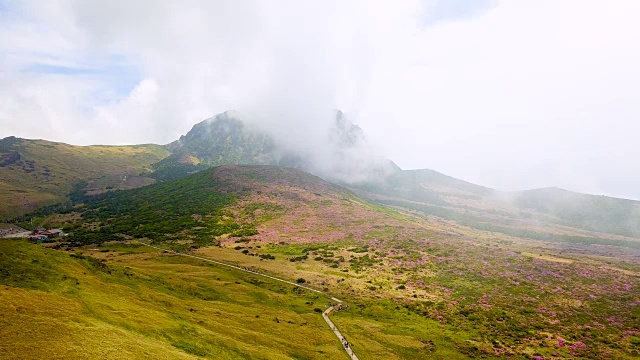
point(129, 301)
point(144, 304)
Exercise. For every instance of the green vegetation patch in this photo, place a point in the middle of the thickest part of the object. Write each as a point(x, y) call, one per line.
point(190, 208)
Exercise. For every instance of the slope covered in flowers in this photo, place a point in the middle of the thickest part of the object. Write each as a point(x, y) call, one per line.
point(416, 287)
point(497, 295)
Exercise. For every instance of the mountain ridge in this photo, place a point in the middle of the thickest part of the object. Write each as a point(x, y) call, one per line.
point(227, 139)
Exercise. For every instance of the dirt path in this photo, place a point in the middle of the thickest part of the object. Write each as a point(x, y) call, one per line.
point(345, 344)
point(325, 314)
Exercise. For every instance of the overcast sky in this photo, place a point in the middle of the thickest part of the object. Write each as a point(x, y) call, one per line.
point(508, 94)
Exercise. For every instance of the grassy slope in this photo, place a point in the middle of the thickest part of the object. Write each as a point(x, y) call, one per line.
point(47, 171)
point(143, 304)
point(262, 195)
point(416, 289)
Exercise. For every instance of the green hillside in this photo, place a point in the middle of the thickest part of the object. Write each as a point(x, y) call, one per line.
point(187, 208)
point(193, 207)
point(37, 172)
point(413, 288)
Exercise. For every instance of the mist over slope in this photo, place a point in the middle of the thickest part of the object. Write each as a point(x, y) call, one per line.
point(227, 139)
point(542, 214)
point(592, 212)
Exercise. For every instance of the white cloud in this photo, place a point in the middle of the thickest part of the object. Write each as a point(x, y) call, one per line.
point(526, 83)
point(515, 95)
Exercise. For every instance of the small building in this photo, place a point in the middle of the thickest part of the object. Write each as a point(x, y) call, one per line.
point(53, 232)
point(39, 230)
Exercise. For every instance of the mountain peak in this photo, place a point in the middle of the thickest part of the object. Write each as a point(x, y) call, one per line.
point(229, 115)
point(221, 139)
point(220, 125)
point(226, 139)
point(346, 134)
